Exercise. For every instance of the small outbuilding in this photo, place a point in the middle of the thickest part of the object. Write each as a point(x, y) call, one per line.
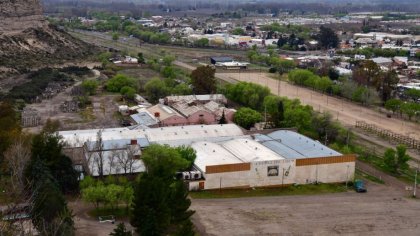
point(215, 60)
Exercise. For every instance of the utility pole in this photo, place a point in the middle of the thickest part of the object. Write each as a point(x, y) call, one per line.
point(282, 178)
point(415, 181)
point(347, 175)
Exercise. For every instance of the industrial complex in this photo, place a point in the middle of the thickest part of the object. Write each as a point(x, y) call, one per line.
point(227, 157)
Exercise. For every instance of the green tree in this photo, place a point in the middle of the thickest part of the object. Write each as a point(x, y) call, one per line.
point(204, 42)
point(299, 76)
point(116, 83)
point(285, 65)
point(413, 94)
point(168, 59)
point(182, 89)
point(168, 72)
point(323, 84)
point(48, 147)
point(115, 36)
point(128, 92)
point(247, 94)
point(150, 213)
point(333, 74)
point(179, 204)
point(121, 230)
point(222, 120)
point(328, 38)
point(296, 115)
point(140, 57)
point(386, 84)
point(9, 126)
point(203, 80)
point(163, 161)
point(49, 211)
point(396, 160)
point(160, 201)
point(156, 89)
point(90, 86)
point(393, 104)
point(238, 31)
point(187, 153)
point(246, 117)
point(274, 106)
point(367, 73)
point(94, 194)
point(409, 109)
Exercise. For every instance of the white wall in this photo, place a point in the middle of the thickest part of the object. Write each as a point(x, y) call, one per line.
point(259, 173)
point(325, 173)
point(227, 180)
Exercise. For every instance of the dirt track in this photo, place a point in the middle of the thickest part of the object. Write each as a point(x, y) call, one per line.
point(381, 211)
point(346, 112)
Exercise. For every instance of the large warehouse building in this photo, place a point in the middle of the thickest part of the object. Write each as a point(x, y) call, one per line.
point(280, 158)
point(226, 156)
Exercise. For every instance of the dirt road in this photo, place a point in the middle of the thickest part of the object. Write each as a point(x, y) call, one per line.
point(381, 211)
point(346, 112)
point(87, 225)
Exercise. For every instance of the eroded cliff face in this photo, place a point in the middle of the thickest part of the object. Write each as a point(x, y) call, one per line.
point(18, 15)
point(28, 42)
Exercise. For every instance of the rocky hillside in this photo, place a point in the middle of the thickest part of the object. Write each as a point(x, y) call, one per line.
point(27, 41)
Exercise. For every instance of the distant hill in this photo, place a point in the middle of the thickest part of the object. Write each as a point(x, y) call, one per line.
point(27, 41)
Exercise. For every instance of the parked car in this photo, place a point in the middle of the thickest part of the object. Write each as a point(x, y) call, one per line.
point(359, 186)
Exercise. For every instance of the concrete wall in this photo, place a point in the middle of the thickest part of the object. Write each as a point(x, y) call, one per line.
point(287, 173)
point(269, 173)
point(202, 117)
point(235, 179)
point(325, 173)
point(174, 121)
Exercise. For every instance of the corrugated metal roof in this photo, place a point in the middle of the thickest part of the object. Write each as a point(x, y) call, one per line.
point(209, 154)
point(173, 135)
point(221, 59)
point(191, 132)
point(144, 118)
point(116, 144)
point(250, 150)
point(291, 144)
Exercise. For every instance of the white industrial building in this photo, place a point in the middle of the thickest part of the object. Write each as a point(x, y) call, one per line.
point(226, 156)
point(280, 158)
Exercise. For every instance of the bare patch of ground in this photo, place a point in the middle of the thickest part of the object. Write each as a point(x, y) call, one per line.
point(381, 211)
point(100, 115)
point(89, 226)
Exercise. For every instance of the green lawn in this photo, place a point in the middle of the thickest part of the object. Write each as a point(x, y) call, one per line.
point(262, 192)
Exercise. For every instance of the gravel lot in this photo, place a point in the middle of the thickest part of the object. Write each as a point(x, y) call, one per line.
point(381, 211)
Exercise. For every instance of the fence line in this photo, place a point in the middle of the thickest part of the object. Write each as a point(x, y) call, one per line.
point(399, 138)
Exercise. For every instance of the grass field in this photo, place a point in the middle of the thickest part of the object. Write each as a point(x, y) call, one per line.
point(264, 192)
